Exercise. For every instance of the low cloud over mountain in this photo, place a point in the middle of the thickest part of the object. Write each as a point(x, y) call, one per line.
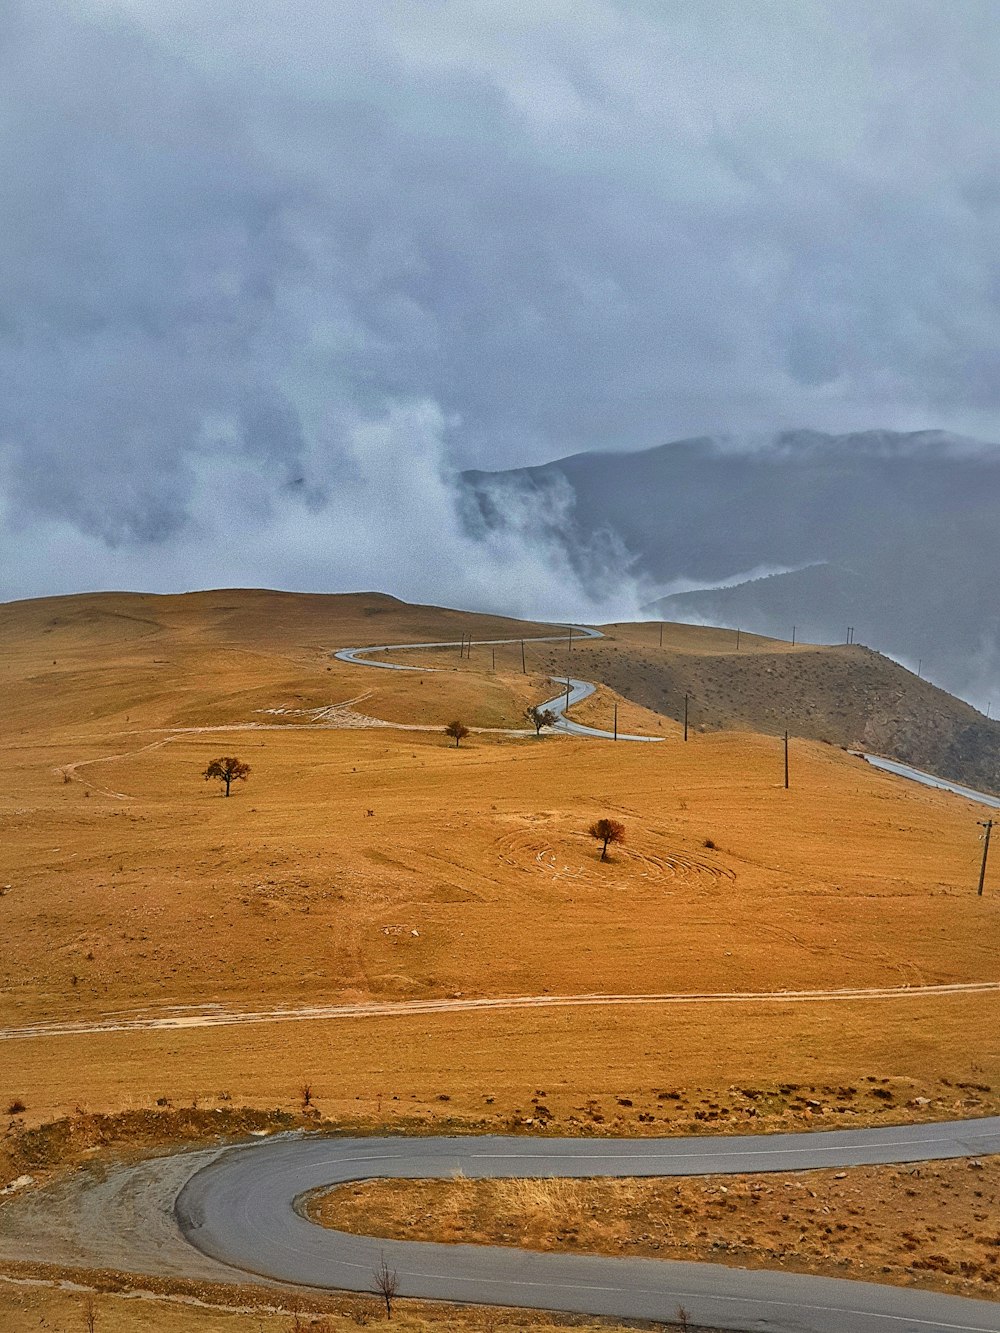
point(895, 535)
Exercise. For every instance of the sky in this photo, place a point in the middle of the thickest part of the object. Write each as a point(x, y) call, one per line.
point(271, 273)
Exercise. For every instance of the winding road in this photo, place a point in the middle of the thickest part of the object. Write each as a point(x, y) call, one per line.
point(578, 689)
point(246, 1210)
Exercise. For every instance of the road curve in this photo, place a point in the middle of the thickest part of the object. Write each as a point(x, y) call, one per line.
point(359, 656)
point(245, 1209)
point(578, 689)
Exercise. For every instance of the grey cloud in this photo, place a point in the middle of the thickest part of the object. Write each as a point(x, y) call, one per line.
point(242, 245)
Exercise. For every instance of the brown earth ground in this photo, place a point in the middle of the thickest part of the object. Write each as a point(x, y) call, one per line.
point(934, 1225)
point(130, 887)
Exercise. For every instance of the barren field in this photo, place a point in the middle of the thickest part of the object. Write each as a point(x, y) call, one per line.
point(365, 863)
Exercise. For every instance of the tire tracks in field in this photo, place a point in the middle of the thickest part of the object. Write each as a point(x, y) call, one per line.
point(185, 1017)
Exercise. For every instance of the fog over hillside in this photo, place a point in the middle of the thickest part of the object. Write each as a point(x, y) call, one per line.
point(274, 275)
point(897, 536)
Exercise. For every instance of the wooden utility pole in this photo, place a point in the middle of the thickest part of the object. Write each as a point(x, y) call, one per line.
point(616, 719)
point(987, 824)
point(794, 627)
point(494, 659)
point(661, 633)
point(571, 638)
point(567, 697)
point(524, 669)
point(737, 641)
point(786, 761)
point(685, 717)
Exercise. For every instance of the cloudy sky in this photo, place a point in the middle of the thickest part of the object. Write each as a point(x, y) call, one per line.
point(270, 272)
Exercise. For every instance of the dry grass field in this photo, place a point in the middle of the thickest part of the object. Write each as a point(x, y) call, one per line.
point(370, 866)
point(132, 887)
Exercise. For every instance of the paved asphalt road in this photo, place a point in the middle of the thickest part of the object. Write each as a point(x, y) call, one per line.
point(929, 780)
point(243, 1209)
point(359, 656)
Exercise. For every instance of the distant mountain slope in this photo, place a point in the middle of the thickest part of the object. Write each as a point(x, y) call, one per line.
point(907, 528)
point(805, 602)
point(849, 696)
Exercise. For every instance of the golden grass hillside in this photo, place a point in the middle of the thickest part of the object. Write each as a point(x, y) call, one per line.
point(365, 862)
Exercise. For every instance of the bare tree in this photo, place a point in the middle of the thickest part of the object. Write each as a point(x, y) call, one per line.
point(683, 1319)
point(458, 731)
point(386, 1283)
point(607, 831)
point(540, 717)
point(228, 770)
point(89, 1315)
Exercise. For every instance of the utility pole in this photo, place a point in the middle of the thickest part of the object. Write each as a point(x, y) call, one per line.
point(920, 663)
point(661, 633)
point(786, 761)
point(524, 669)
point(794, 627)
point(571, 638)
point(737, 641)
point(566, 705)
point(494, 659)
point(685, 717)
point(616, 719)
point(987, 824)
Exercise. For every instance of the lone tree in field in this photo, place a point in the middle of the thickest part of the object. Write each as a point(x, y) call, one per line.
point(227, 770)
point(386, 1284)
point(540, 717)
point(457, 730)
point(607, 831)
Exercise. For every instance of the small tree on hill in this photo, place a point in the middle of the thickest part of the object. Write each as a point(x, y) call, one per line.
point(540, 717)
point(458, 731)
point(228, 770)
point(607, 831)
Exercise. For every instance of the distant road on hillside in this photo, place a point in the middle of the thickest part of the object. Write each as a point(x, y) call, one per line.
point(578, 689)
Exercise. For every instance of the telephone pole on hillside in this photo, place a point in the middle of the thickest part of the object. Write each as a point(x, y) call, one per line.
point(786, 761)
point(987, 824)
point(685, 717)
